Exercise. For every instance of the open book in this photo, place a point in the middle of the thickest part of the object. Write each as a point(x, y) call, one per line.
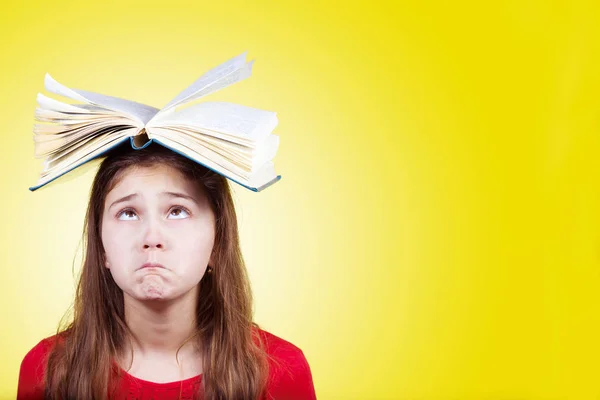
point(230, 139)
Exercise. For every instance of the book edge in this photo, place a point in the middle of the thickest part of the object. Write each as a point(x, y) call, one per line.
point(254, 189)
point(133, 146)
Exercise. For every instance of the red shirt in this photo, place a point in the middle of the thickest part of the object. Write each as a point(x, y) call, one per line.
point(290, 378)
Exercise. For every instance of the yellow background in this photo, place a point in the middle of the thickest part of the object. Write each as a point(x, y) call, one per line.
point(435, 233)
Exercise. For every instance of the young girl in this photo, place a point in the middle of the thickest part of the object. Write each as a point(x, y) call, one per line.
point(163, 304)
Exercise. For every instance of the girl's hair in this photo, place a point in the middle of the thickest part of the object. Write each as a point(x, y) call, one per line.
point(80, 366)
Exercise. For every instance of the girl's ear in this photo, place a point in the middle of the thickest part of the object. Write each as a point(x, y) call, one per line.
point(211, 260)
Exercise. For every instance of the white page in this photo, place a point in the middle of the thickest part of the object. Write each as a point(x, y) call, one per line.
point(265, 175)
point(50, 104)
point(44, 115)
point(140, 112)
point(233, 119)
point(84, 118)
point(226, 74)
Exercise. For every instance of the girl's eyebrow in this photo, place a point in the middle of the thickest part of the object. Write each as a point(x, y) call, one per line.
point(169, 194)
point(123, 199)
point(180, 195)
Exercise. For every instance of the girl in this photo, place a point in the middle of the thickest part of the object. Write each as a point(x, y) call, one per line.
point(163, 304)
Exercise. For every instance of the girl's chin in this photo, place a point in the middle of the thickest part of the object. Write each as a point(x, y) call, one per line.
point(153, 288)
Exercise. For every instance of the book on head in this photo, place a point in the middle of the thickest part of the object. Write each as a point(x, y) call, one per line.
point(233, 140)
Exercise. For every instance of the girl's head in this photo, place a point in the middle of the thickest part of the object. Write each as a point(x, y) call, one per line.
point(160, 226)
point(156, 221)
point(157, 226)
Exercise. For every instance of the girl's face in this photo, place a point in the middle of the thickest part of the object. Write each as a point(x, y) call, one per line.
point(158, 232)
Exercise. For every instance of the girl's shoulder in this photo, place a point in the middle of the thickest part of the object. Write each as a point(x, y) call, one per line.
point(33, 368)
point(37, 356)
point(290, 375)
point(275, 345)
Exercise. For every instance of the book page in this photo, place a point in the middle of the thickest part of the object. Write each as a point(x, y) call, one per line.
point(140, 112)
point(48, 103)
point(44, 115)
point(225, 147)
point(249, 157)
point(63, 130)
point(52, 172)
point(263, 178)
point(232, 119)
point(193, 149)
point(217, 78)
point(45, 145)
point(62, 161)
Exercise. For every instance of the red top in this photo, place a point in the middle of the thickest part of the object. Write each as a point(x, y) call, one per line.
point(289, 378)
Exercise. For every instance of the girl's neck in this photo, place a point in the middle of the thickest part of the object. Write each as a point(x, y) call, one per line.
point(161, 328)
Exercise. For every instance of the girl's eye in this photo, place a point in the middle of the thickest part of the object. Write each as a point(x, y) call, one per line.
point(127, 215)
point(179, 213)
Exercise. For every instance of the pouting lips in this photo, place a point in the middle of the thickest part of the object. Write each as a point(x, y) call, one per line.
point(151, 265)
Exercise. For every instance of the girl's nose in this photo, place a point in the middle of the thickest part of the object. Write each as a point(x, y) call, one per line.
point(153, 237)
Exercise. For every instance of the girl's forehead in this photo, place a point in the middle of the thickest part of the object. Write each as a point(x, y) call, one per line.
point(154, 179)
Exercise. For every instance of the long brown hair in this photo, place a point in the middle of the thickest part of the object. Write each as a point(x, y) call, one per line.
point(235, 366)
